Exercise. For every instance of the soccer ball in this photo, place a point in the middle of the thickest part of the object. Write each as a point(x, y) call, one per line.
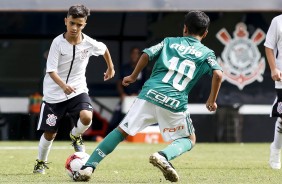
point(75, 161)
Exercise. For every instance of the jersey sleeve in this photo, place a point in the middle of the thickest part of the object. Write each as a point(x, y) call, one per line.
point(213, 64)
point(154, 51)
point(53, 57)
point(271, 36)
point(99, 48)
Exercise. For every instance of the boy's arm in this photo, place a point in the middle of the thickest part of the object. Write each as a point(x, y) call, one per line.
point(275, 72)
point(66, 88)
point(215, 86)
point(110, 72)
point(142, 63)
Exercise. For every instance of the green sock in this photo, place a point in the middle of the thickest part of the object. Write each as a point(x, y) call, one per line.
point(176, 148)
point(105, 147)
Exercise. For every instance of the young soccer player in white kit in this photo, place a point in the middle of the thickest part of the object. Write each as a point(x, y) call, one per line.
point(65, 91)
point(273, 51)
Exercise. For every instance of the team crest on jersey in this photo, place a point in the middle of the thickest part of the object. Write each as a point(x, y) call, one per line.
point(51, 120)
point(83, 54)
point(241, 60)
point(279, 107)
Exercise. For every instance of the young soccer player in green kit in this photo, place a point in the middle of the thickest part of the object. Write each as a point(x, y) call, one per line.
point(179, 63)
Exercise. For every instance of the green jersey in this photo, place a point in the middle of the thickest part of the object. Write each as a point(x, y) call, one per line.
point(179, 63)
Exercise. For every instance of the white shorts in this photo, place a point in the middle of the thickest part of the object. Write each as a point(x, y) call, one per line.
point(173, 125)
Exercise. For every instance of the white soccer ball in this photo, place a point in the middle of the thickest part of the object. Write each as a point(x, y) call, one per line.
point(75, 161)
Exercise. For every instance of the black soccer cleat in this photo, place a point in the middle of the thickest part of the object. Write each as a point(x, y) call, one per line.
point(40, 167)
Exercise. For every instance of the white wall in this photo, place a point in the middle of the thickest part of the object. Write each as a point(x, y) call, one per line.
point(144, 5)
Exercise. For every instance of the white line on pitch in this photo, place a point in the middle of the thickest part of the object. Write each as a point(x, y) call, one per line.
point(61, 148)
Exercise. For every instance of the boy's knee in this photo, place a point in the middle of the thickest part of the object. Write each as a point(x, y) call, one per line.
point(49, 136)
point(85, 117)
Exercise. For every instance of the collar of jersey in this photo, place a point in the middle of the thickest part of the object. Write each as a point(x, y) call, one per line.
point(192, 38)
point(69, 42)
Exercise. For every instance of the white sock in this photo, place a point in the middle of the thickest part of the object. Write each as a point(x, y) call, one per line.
point(80, 129)
point(44, 148)
point(277, 142)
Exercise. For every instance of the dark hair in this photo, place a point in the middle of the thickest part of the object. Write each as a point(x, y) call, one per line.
point(197, 22)
point(78, 11)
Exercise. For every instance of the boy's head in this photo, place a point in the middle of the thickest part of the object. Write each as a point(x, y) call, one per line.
point(78, 11)
point(76, 19)
point(196, 23)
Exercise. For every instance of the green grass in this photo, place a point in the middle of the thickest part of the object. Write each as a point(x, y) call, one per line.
point(206, 163)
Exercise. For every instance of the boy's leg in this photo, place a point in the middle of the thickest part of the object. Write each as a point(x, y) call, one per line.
point(83, 123)
point(275, 147)
point(81, 113)
point(108, 144)
point(44, 147)
point(176, 148)
point(139, 117)
point(176, 126)
point(49, 121)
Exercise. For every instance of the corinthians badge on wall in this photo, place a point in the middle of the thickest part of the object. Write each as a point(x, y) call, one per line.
point(241, 60)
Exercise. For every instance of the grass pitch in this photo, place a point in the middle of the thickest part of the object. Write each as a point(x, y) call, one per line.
point(206, 163)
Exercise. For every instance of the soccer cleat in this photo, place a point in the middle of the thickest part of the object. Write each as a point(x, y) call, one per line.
point(84, 174)
point(274, 160)
point(40, 167)
point(77, 143)
point(166, 167)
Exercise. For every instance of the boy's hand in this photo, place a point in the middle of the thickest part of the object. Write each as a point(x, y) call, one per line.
point(68, 89)
point(110, 73)
point(211, 106)
point(276, 75)
point(128, 80)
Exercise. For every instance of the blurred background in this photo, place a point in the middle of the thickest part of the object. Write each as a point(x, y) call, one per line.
point(27, 28)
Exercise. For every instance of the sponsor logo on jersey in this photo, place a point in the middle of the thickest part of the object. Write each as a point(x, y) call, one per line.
point(173, 129)
point(162, 99)
point(241, 60)
point(186, 50)
point(157, 47)
point(211, 61)
point(83, 54)
point(51, 120)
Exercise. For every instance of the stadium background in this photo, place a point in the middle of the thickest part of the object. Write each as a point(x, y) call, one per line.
point(28, 27)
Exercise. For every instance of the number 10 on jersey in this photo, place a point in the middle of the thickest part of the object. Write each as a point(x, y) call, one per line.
point(180, 72)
